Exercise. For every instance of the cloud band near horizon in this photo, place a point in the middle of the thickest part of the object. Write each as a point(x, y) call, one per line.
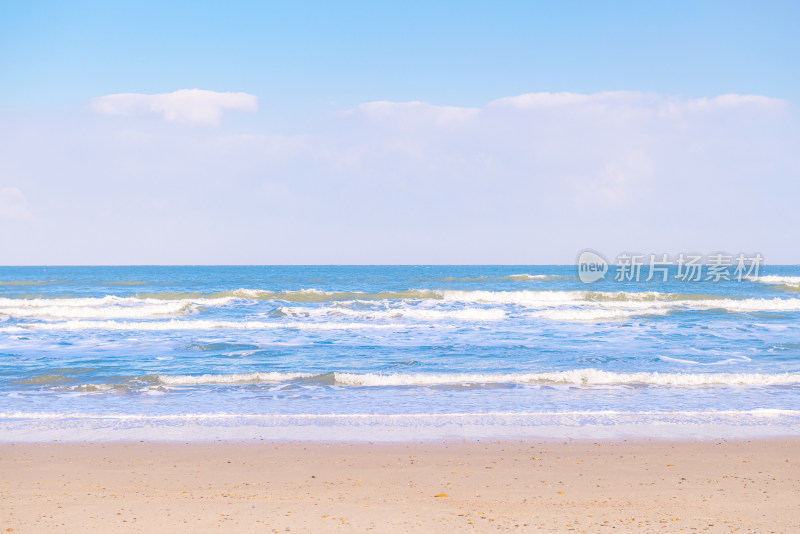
point(523, 179)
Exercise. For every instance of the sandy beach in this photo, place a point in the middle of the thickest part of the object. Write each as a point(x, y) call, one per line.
point(576, 486)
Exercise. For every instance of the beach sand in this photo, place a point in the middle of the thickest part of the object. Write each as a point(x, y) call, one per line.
point(576, 486)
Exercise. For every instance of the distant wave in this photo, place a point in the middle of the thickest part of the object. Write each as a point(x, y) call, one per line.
point(786, 280)
point(312, 296)
point(791, 283)
point(536, 277)
point(518, 277)
point(27, 282)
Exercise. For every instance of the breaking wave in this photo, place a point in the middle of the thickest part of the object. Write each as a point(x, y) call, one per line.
point(578, 377)
point(789, 283)
point(97, 308)
point(240, 378)
point(78, 313)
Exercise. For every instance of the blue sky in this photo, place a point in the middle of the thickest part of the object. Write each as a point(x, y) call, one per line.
point(457, 53)
point(313, 171)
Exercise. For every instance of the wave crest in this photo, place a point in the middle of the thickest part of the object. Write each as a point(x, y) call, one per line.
point(577, 377)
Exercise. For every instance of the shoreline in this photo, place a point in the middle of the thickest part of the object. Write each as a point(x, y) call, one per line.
point(723, 485)
point(399, 428)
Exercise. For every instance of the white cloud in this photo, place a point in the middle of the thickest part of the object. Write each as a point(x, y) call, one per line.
point(414, 111)
point(635, 103)
point(185, 105)
point(14, 205)
point(541, 100)
point(732, 101)
point(608, 147)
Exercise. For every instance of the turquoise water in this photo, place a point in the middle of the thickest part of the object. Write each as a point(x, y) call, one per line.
point(421, 351)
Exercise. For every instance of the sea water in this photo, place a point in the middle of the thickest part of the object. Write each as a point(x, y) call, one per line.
point(393, 352)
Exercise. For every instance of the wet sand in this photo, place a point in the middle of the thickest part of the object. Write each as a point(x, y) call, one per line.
point(578, 486)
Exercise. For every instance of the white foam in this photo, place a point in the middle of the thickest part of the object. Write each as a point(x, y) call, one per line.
point(241, 378)
point(553, 305)
point(312, 295)
point(753, 305)
point(109, 307)
point(204, 427)
point(540, 277)
point(613, 310)
point(110, 312)
point(592, 315)
point(609, 306)
point(470, 314)
point(578, 377)
point(199, 325)
point(533, 298)
point(793, 281)
point(767, 412)
point(738, 359)
point(528, 297)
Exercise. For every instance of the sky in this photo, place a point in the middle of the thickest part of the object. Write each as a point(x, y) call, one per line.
point(396, 133)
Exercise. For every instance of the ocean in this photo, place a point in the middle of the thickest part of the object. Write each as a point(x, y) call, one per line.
point(378, 353)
